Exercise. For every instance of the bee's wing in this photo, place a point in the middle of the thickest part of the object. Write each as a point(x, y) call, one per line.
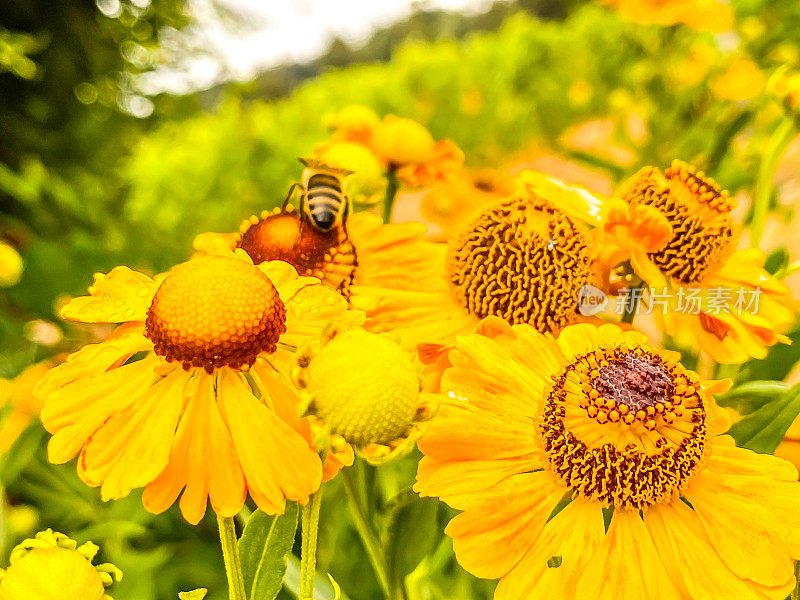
point(317, 165)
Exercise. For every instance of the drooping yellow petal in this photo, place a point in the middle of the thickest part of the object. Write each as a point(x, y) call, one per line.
point(92, 359)
point(626, 565)
point(132, 447)
point(202, 460)
point(277, 461)
point(75, 411)
point(751, 522)
point(568, 540)
point(746, 267)
point(121, 295)
point(519, 367)
point(461, 483)
point(692, 561)
point(490, 537)
point(311, 308)
point(462, 431)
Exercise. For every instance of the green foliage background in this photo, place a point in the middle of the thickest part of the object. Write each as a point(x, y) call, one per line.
point(85, 186)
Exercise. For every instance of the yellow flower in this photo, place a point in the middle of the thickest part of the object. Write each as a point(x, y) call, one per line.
point(522, 258)
point(353, 123)
point(363, 388)
point(591, 467)
point(743, 80)
point(444, 164)
point(192, 392)
point(400, 141)
point(676, 230)
point(364, 252)
point(53, 567)
point(706, 15)
point(19, 404)
point(11, 265)
point(398, 144)
point(367, 184)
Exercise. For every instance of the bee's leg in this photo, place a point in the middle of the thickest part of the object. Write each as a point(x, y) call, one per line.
point(345, 215)
point(303, 212)
point(289, 195)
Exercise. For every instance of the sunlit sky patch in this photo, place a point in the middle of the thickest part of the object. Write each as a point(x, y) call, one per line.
point(235, 39)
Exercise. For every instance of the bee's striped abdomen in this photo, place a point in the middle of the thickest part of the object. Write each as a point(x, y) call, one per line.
point(325, 200)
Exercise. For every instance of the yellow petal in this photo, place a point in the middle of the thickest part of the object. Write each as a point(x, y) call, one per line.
point(461, 483)
point(575, 200)
point(490, 537)
point(571, 537)
point(203, 460)
point(132, 447)
point(753, 523)
point(691, 560)
point(584, 337)
point(277, 461)
point(93, 359)
point(75, 411)
point(121, 295)
point(626, 566)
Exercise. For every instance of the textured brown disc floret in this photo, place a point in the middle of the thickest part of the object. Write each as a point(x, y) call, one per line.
point(698, 211)
point(214, 312)
point(523, 260)
point(625, 426)
point(282, 235)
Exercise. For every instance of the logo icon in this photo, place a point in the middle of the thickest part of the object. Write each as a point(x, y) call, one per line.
point(591, 300)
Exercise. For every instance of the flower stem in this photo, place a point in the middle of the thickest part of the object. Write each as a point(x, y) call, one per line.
point(796, 592)
point(632, 302)
point(230, 554)
point(776, 145)
point(392, 185)
point(365, 531)
point(308, 554)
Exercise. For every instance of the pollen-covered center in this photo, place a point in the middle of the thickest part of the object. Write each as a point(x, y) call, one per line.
point(699, 213)
point(214, 312)
point(522, 260)
point(284, 235)
point(633, 381)
point(625, 426)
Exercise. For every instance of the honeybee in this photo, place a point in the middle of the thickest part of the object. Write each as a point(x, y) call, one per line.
point(322, 199)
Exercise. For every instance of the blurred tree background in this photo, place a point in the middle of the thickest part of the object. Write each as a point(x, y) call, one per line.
point(94, 173)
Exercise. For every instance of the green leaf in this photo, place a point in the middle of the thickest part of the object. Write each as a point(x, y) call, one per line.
point(777, 261)
point(410, 533)
point(21, 453)
point(264, 550)
point(197, 594)
point(764, 429)
point(751, 396)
